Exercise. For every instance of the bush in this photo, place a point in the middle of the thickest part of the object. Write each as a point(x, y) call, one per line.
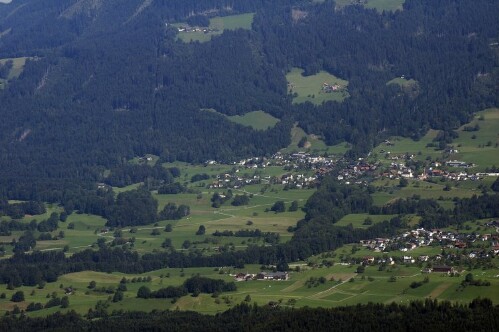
point(17, 296)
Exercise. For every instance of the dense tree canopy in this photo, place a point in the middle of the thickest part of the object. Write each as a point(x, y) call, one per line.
point(135, 89)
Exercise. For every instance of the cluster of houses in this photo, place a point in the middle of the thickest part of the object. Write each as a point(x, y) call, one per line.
point(351, 173)
point(328, 88)
point(292, 162)
point(398, 170)
point(420, 237)
point(186, 28)
point(356, 169)
point(236, 181)
point(262, 276)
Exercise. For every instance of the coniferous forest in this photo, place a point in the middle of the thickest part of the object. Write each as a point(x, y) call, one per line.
point(104, 82)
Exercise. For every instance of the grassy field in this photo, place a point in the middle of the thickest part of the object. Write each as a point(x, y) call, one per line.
point(313, 145)
point(401, 145)
point(402, 82)
point(218, 25)
point(379, 5)
point(408, 86)
point(336, 290)
point(309, 88)
point(17, 69)
point(385, 5)
point(480, 147)
point(18, 66)
point(257, 120)
point(357, 219)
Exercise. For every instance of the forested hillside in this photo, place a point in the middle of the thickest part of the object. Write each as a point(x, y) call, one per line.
point(105, 81)
point(480, 315)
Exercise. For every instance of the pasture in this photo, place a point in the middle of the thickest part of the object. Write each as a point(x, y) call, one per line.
point(385, 5)
point(480, 147)
point(17, 68)
point(379, 5)
point(258, 120)
point(340, 285)
point(317, 88)
point(402, 82)
point(216, 27)
point(314, 144)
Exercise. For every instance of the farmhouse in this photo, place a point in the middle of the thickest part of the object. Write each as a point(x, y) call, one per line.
point(456, 163)
point(443, 269)
point(272, 276)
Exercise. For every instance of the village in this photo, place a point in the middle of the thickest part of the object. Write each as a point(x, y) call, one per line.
point(473, 246)
point(186, 28)
point(304, 170)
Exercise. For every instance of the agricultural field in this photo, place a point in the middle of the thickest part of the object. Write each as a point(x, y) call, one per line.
point(357, 220)
point(317, 88)
point(385, 5)
point(402, 145)
point(18, 66)
point(379, 5)
point(216, 27)
point(388, 190)
point(478, 143)
point(313, 144)
point(81, 231)
point(16, 70)
point(312, 286)
point(257, 120)
point(480, 147)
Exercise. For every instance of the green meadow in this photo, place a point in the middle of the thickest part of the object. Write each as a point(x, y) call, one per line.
point(310, 88)
point(16, 71)
point(385, 5)
point(379, 5)
point(17, 68)
point(402, 82)
point(217, 27)
point(257, 120)
point(313, 144)
point(480, 147)
point(82, 231)
point(341, 285)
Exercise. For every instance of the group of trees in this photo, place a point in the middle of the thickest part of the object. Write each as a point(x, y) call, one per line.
point(19, 210)
point(194, 285)
point(480, 314)
point(173, 212)
point(315, 234)
point(153, 105)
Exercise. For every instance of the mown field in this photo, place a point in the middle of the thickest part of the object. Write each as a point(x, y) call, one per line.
point(16, 70)
point(314, 144)
point(480, 146)
point(218, 25)
point(379, 5)
point(82, 231)
point(340, 285)
point(385, 5)
point(257, 120)
point(309, 88)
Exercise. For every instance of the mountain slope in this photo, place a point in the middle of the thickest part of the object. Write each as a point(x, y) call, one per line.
point(108, 80)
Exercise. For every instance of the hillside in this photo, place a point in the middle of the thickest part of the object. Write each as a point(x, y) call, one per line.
point(105, 82)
